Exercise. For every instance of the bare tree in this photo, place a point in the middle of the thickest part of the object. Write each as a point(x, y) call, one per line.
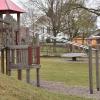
point(62, 15)
point(56, 11)
point(61, 12)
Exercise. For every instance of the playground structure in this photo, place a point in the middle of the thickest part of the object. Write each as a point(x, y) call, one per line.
point(21, 57)
point(91, 54)
point(16, 55)
point(93, 59)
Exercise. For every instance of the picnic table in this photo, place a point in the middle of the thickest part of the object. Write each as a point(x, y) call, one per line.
point(74, 56)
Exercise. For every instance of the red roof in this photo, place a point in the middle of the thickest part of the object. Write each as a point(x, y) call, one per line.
point(9, 6)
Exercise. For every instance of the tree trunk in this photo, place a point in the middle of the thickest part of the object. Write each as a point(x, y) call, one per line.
point(83, 38)
point(71, 41)
point(54, 46)
point(54, 42)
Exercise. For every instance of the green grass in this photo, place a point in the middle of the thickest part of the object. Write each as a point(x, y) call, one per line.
point(59, 70)
point(53, 69)
point(12, 89)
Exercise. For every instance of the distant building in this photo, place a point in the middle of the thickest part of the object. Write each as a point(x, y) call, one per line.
point(93, 39)
point(96, 36)
point(42, 25)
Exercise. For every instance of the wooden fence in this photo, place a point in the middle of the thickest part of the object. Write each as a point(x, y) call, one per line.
point(49, 49)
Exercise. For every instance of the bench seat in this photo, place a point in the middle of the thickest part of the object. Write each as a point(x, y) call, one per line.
point(74, 55)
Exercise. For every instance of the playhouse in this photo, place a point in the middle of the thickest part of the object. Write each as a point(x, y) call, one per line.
point(16, 55)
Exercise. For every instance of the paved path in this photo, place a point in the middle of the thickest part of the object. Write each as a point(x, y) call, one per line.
point(58, 87)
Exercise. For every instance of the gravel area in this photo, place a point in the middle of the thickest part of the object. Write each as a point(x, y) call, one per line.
point(58, 87)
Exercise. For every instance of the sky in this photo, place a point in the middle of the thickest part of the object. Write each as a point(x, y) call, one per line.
point(93, 3)
point(17, 2)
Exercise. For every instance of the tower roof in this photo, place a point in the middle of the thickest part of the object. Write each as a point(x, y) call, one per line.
point(10, 7)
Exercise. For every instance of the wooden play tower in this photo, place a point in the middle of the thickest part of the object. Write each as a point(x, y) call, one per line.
point(17, 56)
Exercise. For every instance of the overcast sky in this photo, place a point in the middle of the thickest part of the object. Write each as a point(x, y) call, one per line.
point(93, 3)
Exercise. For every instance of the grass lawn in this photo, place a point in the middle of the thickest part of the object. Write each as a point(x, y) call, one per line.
point(57, 69)
point(12, 89)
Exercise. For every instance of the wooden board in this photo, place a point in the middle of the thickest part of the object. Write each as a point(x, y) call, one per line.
point(74, 55)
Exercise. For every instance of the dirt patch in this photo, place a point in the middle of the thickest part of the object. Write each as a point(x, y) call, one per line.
point(58, 87)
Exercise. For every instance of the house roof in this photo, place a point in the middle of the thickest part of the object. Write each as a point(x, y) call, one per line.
point(9, 6)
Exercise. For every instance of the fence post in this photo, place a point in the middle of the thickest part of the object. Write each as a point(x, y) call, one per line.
point(30, 61)
point(19, 69)
point(90, 70)
point(2, 61)
point(30, 58)
point(38, 77)
point(28, 75)
point(19, 74)
point(6, 61)
point(97, 69)
point(37, 60)
point(8, 69)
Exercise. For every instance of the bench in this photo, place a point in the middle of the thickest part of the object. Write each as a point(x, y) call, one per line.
point(74, 56)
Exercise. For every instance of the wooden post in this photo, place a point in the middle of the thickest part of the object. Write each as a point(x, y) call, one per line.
point(18, 31)
point(38, 60)
point(6, 61)
point(13, 55)
point(19, 74)
point(18, 41)
point(90, 71)
point(1, 29)
point(19, 69)
point(2, 61)
point(37, 50)
point(2, 51)
point(16, 37)
point(18, 61)
point(97, 70)
point(37, 39)
point(9, 72)
point(38, 77)
point(8, 69)
point(30, 58)
point(28, 75)
point(38, 55)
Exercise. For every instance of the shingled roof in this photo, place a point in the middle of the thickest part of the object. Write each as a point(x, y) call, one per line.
point(9, 6)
